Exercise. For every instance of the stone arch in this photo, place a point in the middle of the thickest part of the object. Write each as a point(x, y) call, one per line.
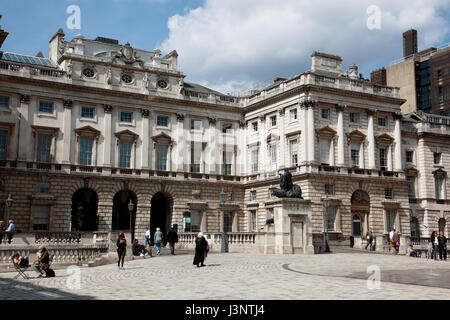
point(86, 183)
point(161, 212)
point(360, 205)
point(120, 212)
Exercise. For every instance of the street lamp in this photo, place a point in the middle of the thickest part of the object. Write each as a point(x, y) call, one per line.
point(9, 203)
point(326, 203)
point(223, 198)
point(130, 209)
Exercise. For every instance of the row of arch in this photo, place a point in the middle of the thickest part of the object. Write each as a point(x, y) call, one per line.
point(84, 211)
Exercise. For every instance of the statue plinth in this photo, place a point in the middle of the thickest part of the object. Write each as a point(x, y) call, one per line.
point(291, 232)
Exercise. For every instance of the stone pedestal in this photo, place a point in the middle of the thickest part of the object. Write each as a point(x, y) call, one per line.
point(292, 229)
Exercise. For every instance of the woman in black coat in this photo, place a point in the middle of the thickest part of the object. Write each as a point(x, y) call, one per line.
point(121, 249)
point(201, 250)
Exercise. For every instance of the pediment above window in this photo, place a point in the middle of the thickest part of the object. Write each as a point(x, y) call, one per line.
point(439, 173)
point(162, 139)
point(272, 137)
point(45, 130)
point(126, 135)
point(326, 132)
point(384, 140)
point(7, 126)
point(356, 136)
point(87, 131)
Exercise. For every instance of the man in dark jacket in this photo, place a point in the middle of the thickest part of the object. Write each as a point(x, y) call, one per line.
point(172, 238)
point(139, 249)
point(369, 238)
point(442, 240)
point(201, 250)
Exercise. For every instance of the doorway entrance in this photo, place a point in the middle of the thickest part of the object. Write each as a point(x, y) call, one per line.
point(161, 214)
point(84, 210)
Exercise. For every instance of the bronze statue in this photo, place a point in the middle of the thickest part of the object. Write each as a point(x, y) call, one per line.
point(288, 189)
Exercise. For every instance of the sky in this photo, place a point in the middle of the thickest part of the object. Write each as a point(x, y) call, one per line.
point(236, 45)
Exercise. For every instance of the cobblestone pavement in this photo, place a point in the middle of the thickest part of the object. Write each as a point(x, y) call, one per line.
point(244, 276)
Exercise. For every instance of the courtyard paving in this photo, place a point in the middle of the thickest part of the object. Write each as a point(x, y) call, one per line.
point(243, 276)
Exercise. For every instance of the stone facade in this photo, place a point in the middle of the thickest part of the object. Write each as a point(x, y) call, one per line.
point(339, 135)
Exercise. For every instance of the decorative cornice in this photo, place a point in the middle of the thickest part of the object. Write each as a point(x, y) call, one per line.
point(308, 103)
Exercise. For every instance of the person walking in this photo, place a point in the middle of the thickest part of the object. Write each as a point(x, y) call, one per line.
point(369, 238)
point(158, 238)
point(435, 244)
point(396, 241)
point(391, 239)
point(442, 245)
point(201, 250)
point(10, 231)
point(121, 250)
point(172, 238)
point(148, 238)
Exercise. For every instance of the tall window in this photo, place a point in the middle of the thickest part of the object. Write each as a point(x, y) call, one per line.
point(253, 220)
point(228, 225)
point(413, 228)
point(294, 153)
point(196, 154)
point(331, 218)
point(354, 149)
point(411, 186)
point(253, 195)
point(438, 182)
point(87, 112)
point(125, 154)
point(324, 147)
point(437, 158)
point(46, 107)
point(41, 218)
point(409, 156)
point(161, 157)
point(44, 147)
point(86, 151)
point(293, 114)
point(357, 228)
point(126, 117)
point(383, 159)
point(162, 121)
point(273, 157)
point(273, 121)
point(390, 220)
point(227, 160)
point(3, 136)
point(255, 161)
point(4, 102)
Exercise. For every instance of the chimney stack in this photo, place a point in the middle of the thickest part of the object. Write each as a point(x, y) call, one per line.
point(409, 43)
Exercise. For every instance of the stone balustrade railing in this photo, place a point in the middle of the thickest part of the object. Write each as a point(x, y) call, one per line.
point(248, 242)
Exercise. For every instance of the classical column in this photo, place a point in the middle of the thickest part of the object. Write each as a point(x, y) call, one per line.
point(67, 133)
point(25, 152)
point(282, 140)
point(304, 128)
point(212, 147)
point(263, 157)
point(371, 139)
point(398, 142)
point(107, 136)
point(341, 136)
point(180, 145)
point(145, 138)
point(311, 133)
point(241, 147)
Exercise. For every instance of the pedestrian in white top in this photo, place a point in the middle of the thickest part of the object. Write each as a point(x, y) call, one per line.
point(147, 238)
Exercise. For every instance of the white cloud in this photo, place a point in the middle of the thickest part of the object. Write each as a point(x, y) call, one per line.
point(233, 43)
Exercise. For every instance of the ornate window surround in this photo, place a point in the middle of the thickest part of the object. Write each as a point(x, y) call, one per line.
point(163, 139)
point(9, 128)
point(54, 132)
point(126, 136)
point(87, 132)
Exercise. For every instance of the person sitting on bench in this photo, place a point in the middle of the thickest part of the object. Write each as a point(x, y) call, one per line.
point(43, 262)
point(19, 261)
point(139, 249)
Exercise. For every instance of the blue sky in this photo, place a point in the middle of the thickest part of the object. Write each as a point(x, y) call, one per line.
point(231, 45)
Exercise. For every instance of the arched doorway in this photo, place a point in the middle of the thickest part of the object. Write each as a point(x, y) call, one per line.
point(121, 214)
point(161, 213)
point(360, 209)
point(84, 210)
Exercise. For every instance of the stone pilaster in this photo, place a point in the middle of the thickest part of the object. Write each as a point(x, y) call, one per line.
point(371, 140)
point(107, 142)
point(67, 127)
point(341, 136)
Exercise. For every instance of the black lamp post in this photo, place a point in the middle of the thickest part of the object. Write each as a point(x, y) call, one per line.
point(9, 203)
point(326, 203)
point(130, 209)
point(223, 198)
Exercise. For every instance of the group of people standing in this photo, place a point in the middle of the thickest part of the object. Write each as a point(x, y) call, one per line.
point(201, 246)
point(438, 244)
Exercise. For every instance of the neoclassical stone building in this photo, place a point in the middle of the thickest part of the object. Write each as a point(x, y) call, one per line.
point(99, 125)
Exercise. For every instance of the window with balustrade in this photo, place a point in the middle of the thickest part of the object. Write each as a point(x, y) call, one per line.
point(228, 224)
point(227, 158)
point(196, 155)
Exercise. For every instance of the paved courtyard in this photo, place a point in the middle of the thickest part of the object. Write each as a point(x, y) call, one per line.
point(243, 276)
